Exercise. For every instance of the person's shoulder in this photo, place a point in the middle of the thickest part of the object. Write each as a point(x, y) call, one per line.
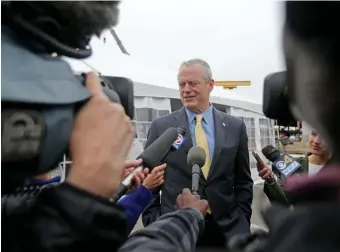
point(166, 118)
point(229, 118)
point(302, 159)
point(234, 119)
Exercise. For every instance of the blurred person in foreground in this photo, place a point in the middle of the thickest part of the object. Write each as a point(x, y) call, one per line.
point(78, 214)
point(311, 42)
point(74, 214)
point(311, 164)
point(61, 210)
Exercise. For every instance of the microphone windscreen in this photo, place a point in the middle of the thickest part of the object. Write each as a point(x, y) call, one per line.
point(154, 154)
point(271, 153)
point(196, 155)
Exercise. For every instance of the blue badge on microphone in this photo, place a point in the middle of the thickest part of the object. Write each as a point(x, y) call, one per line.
point(179, 141)
point(286, 166)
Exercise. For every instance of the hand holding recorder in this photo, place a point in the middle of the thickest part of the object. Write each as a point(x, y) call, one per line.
point(264, 171)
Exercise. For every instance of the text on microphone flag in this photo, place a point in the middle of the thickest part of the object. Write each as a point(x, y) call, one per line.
point(286, 166)
point(178, 142)
point(288, 159)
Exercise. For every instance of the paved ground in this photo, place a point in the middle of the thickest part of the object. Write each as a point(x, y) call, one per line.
point(259, 201)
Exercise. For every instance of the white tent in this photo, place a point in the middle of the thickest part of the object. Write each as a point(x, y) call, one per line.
point(149, 78)
point(156, 85)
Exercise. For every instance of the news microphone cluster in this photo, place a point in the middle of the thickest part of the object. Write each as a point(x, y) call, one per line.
point(155, 154)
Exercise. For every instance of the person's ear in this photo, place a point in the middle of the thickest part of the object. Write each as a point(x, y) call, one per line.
point(211, 85)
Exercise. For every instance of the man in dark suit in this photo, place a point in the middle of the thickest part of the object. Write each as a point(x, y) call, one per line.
point(225, 180)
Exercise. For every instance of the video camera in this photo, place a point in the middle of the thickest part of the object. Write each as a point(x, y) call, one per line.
point(118, 89)
point(40, 98)
point(276, 101)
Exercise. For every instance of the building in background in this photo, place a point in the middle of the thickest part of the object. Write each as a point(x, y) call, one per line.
point(156, 93)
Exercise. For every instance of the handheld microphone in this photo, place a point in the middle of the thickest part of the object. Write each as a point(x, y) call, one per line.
point(283, 165)
point(196, 158)
point(152, 156)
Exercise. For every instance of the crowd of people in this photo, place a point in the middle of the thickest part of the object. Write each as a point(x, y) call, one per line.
point(78, 214)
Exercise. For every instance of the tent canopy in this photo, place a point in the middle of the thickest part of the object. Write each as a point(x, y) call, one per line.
point(150, 79)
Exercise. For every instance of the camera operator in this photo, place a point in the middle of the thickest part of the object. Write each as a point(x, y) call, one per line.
point(312, 51)
point(77, 214)
point(78, 209)
point(73, 214)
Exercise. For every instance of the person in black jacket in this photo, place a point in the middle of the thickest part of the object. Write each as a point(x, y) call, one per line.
point(312, 51)
point(78, 214)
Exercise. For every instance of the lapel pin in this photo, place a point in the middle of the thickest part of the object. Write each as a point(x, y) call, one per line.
point(223, 124)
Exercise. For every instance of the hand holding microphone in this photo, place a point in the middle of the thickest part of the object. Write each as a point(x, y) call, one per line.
point(187, 199)
point(139, 177)
point(153, 155)
point(150, 180)
point(155, 178)
point(284, 165)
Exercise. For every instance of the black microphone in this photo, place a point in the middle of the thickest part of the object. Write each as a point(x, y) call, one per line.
point(283, 165)
point(196, 158)
point(152, 156)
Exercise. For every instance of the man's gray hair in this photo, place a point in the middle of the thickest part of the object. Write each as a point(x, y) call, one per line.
point(204, 64)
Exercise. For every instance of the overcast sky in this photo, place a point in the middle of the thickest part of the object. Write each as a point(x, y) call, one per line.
point(241, 40)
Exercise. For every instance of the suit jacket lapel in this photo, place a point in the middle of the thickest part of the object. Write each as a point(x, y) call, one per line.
point(220, 125)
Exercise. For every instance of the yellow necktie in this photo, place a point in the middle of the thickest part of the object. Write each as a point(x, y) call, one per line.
point(201, 141)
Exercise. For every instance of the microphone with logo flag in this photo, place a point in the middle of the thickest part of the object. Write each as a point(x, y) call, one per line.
point(180, 138)
point(283, 165)
point(152, 156)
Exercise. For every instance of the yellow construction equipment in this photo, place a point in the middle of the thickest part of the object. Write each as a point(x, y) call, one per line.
point(232, 84)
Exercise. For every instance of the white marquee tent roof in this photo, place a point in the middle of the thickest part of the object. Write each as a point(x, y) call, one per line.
point(149, 79)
